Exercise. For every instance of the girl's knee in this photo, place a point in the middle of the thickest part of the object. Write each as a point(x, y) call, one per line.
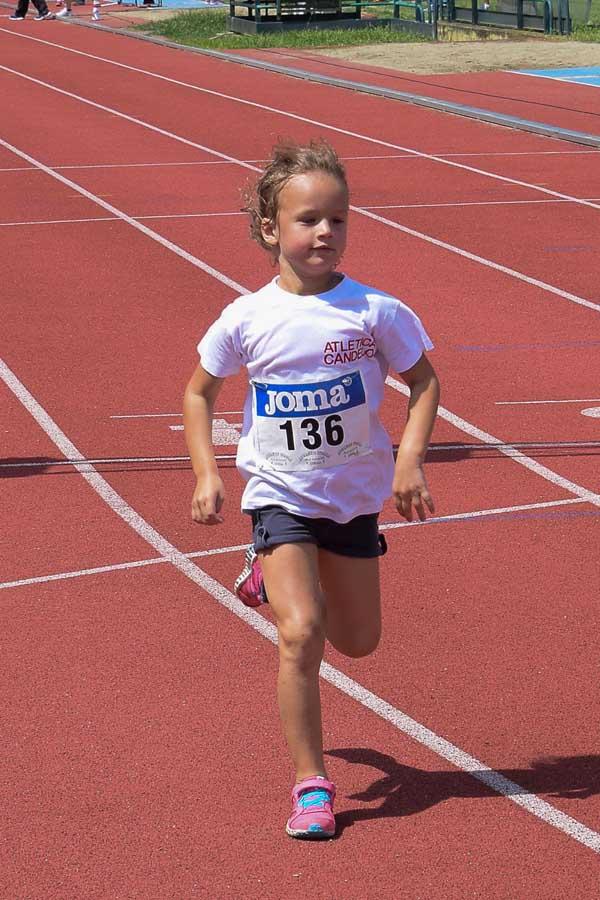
point(302, 640)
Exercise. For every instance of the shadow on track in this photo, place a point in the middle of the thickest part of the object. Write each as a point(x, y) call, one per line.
point(22, 467)
point(405, 790)
point(27, 466)
point(449, 452)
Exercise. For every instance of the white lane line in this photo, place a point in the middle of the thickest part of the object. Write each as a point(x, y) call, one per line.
point(222, 162)
point(480, 513)
point(467, 203)
point(507, 449)
point(218, 412)
point(534, 282)
point(404, 723)
point(296, 117)
point(531, 445)
point(208, 215)
point(118, 567)
point(60, 221)
point(573, 298)
point(115, 218)
point(568, 80)
point(130, 221)
point(534, 402)
point(389, 526)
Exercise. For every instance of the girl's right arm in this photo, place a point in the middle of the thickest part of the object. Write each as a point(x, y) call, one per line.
point(198, 404)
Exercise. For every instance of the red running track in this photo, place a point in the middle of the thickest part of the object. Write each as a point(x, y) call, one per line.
point(144, 755)
point(552, 102)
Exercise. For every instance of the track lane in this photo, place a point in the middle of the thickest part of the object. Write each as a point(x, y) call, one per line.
point(62, 440)
point(558, 245)
point(268, 88)
point(559, 214)
point(506, 92)
point(137, 689)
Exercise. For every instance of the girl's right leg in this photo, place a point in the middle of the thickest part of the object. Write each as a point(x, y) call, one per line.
point(291, 577)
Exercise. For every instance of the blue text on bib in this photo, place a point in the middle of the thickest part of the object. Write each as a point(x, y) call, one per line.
point(317, 399)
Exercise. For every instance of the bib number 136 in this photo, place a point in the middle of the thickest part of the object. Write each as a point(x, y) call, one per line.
point(314, 432)
point(299, 427)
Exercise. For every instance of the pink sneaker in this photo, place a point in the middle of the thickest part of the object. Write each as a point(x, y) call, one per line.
point(249, 585)
point(312, 811)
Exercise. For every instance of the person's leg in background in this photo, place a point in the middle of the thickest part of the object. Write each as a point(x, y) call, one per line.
point(21, 10)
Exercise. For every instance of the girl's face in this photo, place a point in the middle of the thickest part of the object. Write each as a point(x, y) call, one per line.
point(310, 231)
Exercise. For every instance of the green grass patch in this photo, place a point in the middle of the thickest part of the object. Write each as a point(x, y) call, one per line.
point(586, 33)
point(208, 28)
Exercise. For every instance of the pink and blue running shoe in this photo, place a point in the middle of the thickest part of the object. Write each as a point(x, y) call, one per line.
point(249, 585)
point(312, 811)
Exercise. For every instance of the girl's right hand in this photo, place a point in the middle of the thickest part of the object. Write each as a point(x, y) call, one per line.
point(207, 501)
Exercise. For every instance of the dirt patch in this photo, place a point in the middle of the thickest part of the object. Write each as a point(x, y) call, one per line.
point(472, 56)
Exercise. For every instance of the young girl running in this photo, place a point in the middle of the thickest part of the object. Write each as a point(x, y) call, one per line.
point(317, 462)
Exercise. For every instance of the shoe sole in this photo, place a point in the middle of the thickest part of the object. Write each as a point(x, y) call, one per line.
point(309, 835)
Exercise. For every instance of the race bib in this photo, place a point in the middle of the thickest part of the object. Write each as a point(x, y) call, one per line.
point(311, 426)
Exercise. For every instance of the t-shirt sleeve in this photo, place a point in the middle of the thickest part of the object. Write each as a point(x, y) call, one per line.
point(401, 337)
point(220, 350)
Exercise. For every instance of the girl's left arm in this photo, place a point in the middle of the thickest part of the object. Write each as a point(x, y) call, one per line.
point(410, 486)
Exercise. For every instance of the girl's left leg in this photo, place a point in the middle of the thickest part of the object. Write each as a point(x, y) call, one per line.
point(353, 602)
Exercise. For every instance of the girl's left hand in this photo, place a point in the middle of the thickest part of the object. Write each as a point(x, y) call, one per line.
point(410, 490)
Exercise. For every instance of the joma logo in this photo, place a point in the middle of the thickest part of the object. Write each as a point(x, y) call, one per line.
point(305, 401)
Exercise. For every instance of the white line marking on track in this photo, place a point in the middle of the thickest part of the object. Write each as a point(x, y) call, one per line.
point(573, 298)
point(567, 80)
point(404, 723)
point(208, 215)
point(282, 112)
point(389, 526)
point(534, 282)
point(205, 215)
point(116, 218)
point(203, 162)
point(117, 567)
point(61, 221)
point(218, 412)
point(533, 402)
point(133, 222)
point(480, 513)
point(468, 203)
point(222, 162)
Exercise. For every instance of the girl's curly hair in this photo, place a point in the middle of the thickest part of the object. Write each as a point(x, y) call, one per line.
point(288, 159)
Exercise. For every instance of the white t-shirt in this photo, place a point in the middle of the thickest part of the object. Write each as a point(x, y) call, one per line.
point(311, 439)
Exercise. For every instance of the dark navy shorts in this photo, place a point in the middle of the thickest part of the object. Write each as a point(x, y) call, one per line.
point(360, 537)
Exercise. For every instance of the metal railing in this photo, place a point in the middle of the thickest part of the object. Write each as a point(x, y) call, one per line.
point(550, 16)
